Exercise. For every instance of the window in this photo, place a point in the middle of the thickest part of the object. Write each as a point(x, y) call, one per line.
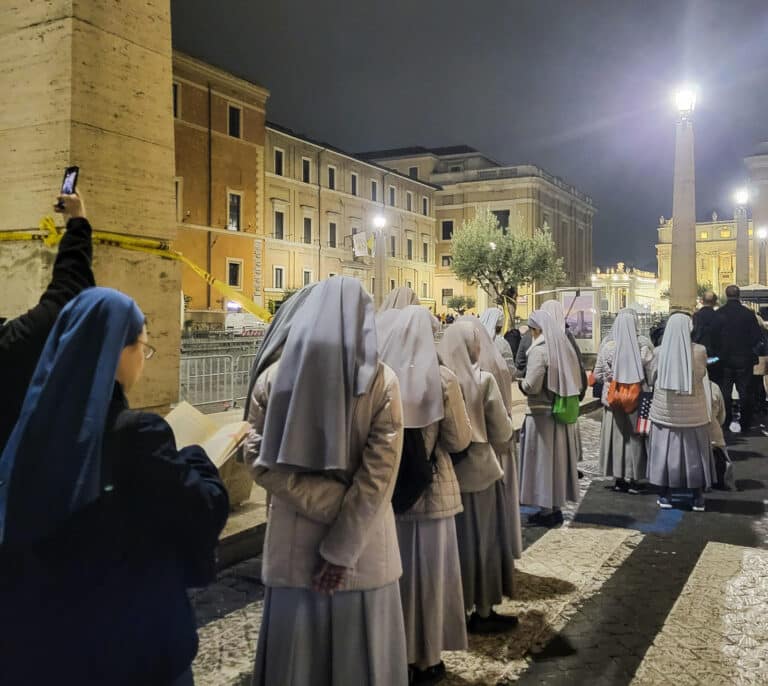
point(447, 227)
point(235, 114)
point(409, 248)
point(176, 100)
point(177, 185)
point(545, 222)
point(279, 161)
point(331, 274)
point(409, 284)
point(353, 185)
point(502, 217)
point(392, 196)
point(374, 190)
point(391, 284)
point(306, 277)
point(425, 252)
point(277, 277)
point(456, 168)
point(306, 170)
point(425, 206)
point(392, 246)
point(409, 201)
point(332, 235)
point(703, 235)
point(373, 284)
point(446, 293)
point(413, 172)
point(446, 261)
point(235, 273)
point(725, 233)
point(235, 211)
point(424, 291)
point(279, 224)
point(331, 177)
point(308, 230)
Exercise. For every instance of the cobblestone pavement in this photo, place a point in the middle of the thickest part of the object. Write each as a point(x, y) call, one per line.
point(606, 599)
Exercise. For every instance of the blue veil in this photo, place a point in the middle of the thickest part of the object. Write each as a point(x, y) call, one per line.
point(51, 466)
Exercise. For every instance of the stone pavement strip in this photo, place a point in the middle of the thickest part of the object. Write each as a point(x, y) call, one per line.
point(717, 631)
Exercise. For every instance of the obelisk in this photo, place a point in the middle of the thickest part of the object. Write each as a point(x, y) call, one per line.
point(758, 173)
point(682, 291)
point(742, 238)
point(89, 83)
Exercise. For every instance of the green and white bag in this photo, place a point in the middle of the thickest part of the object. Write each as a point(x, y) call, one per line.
point(566, 409)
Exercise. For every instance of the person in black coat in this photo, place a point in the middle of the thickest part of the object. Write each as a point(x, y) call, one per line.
point(704, 324)
point(735, 336)
point(104, 522)
point(22, 339)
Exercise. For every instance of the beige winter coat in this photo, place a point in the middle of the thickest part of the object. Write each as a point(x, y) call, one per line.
point(537, 395)
point(344, 517)
point(450, 435)
point(481, 468)
point(678, 411)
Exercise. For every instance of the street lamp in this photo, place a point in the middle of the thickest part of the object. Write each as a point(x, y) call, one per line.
point(379, 260)
point(741, 198)
point(762, 234)
point(685, 100)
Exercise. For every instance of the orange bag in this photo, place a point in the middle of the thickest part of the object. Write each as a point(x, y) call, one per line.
point(624, 396)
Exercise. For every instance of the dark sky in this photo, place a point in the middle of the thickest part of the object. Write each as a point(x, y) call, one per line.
point(579, 87)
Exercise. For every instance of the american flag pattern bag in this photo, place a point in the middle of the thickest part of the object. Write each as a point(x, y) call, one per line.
point(643, 425)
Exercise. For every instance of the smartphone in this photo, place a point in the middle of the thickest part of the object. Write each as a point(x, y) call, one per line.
point(68, 184)
point(712, 360)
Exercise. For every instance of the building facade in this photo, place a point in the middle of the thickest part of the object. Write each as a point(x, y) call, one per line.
point(318, 197)
point(219, 140)
point(623, 286)
point(715, 253)
point(524, 198)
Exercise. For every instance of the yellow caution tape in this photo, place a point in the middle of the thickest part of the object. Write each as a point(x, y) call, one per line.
point(51, 236)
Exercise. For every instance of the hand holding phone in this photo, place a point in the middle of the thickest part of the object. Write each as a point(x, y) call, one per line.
point(713, 360)
point(68, 186)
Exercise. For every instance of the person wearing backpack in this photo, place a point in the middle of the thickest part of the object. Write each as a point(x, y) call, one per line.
point(625, 367)
point(436, 424)
point(549, 441)
point(483, 528)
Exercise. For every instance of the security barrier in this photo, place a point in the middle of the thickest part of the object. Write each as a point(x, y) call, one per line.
point(215, 382)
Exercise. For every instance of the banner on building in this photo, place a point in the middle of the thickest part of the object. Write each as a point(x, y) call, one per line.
point(360, 245)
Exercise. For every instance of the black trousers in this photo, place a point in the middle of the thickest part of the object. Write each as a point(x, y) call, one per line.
point(742, 379)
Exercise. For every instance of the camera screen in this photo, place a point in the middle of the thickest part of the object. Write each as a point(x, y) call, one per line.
point(68, 186)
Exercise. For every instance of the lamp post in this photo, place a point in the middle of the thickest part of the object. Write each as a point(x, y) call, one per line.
point(741, 198)
point(762, 234)
point(682, 290)
point(379, 260)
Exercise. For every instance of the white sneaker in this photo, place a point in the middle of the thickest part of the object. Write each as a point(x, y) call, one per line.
point(735, 427)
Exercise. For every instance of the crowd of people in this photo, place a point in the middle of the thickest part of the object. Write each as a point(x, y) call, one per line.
point(394, 476)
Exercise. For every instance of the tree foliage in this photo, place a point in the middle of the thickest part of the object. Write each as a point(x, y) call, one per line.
point(500, 262)
point(460, 303)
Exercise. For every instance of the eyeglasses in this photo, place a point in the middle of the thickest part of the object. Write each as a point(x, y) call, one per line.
point(149, 351)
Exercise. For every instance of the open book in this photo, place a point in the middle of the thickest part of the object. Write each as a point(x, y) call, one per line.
point(220, 439)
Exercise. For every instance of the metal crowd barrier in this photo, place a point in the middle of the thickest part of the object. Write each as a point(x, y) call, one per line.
point(208, 381)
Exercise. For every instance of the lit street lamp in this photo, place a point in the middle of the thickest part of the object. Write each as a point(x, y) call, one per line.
point(741, 198)
point(379, 260)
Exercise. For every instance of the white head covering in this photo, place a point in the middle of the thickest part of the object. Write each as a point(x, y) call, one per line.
point(329, 358)
point(459, 350)
point(406, 344)
point(627, 364)
point(490, 320)
point(490, 360)
point(399, 298)
point(676, 355)
point(564, 372)
point(555, 310)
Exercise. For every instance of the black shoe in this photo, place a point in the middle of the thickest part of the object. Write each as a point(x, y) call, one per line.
point(549, 520)
point(493, 624)
point(431, 675)
point(620, 486)
point(580, 474)
point(635, 488)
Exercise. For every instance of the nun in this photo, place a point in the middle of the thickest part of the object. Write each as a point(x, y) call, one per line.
point(555, 310)
point(430, 588)
point(483, 528)
point(679, 447)
point(627, 358)
point(104, 523)
point(400, 297)
point(549, 450)
point(493, 322)
point(326, 440)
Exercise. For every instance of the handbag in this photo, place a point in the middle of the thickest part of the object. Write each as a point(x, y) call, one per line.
point(565, 409)
point(643, 423)
point(624, 396)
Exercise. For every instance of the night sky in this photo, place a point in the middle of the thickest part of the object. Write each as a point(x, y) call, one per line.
point(579, 87)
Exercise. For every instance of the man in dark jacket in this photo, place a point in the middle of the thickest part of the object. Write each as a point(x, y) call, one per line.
point(704, 322)
point(22, 339)
point(735, 335)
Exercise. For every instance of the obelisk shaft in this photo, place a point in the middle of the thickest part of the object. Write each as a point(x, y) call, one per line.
point(682, 290)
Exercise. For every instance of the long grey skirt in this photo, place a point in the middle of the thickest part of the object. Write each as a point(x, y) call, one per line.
point(549, 455)
point(508, 457)
point(350, 638)
point(485, 553)
point(622, 451)
point(430, 588)
point(680, 458)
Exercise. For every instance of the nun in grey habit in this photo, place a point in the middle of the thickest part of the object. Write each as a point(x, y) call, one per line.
point(483, 528)
point(430, 588)
point(549, 450)
point(626, 358)
point(326, 445)
point(493, 321)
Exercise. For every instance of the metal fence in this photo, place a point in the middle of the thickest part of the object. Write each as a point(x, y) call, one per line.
point(646, 320)
point(215, 382)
